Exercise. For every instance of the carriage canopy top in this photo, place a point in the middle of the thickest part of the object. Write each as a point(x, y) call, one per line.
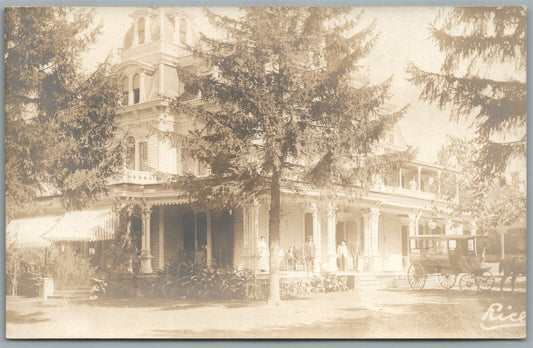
point(446, 236)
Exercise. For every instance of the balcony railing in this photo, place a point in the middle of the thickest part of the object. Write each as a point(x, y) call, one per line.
point(137, 177)
point(412, 193)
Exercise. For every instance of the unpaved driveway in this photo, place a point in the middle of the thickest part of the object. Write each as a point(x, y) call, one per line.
point(353, 314)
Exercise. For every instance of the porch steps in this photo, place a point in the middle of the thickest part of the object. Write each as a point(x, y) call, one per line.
point(373, 281)
point(81, 292)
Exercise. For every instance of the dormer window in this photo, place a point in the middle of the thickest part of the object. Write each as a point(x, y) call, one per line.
point(141, 30)
point(183, 30)
point(136, 89)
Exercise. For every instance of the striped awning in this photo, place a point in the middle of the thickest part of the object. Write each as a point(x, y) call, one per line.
point(87, 226)
point(27, 232)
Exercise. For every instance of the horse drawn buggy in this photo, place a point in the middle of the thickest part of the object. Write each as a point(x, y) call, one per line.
point(448, 257)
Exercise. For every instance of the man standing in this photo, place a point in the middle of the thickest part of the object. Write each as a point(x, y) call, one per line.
point(342, 256)
point(310, 254)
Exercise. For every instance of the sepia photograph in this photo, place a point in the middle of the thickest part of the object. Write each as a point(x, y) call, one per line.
point(265, 172)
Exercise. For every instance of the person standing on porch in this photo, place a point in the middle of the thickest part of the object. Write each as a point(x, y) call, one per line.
point(355, 256)
point(310, 254)
point(262, 254)
point(342, 256)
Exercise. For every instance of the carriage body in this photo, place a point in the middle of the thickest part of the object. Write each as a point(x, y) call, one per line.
point(445, 256)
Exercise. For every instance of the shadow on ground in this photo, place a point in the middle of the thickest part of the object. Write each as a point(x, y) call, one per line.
point(456, 295)
point(167, 305)
point(29, 318)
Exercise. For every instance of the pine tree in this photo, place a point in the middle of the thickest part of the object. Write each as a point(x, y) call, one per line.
point(482, 78)
point(60, 123)
point(281, 110)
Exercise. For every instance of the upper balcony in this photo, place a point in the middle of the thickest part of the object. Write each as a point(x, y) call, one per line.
point(420, 180)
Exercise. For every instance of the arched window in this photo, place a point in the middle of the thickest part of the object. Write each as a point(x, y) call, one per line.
point(140, 30)
point(136, 89)
point(130, 153)
point(183, 30)
point(125, 91)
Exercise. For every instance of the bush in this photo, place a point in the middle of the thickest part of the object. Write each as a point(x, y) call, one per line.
point(326, 282)
point(196, 282)
point(192, 281)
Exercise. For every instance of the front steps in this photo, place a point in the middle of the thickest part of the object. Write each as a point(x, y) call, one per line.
point(79, 293)
point(374, 281)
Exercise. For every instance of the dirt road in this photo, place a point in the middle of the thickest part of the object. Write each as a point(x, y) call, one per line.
point(396, 313)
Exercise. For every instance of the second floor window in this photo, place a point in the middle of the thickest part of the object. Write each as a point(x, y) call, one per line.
point(130, 153)
point(136, 89)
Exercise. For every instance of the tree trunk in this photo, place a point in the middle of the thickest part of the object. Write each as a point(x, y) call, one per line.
point(275, 213)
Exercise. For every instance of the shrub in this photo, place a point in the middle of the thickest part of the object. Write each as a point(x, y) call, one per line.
point(327, 282)
point(196, 282)
point(69, 268)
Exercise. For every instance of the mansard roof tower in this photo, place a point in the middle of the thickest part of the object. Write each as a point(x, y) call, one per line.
point(153, 47)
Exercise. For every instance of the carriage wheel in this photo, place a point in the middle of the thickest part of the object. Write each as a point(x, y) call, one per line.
point(416, 276)
point(468, 284)
point(447, 280)
point(486, 281)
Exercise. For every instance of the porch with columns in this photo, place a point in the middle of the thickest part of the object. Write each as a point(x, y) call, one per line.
point(180, 233)
point(328, 223)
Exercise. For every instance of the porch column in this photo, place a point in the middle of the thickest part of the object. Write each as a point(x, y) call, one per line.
point(419, 177)
point(209, 246)
point(371, 247)
point(413, 230)
point(400, 178)
point(316, 237)
point(161, 237)
point(330, 262)
point(414, 217)
point(146, 256)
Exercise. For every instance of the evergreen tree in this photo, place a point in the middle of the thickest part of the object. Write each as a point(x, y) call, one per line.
point(482, 78)
point(282, 110)
point(59, 123)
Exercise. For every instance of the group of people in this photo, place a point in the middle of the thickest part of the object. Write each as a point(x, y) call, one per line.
point(309, 255)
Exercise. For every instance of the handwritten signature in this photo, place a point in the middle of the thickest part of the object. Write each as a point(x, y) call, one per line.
point(498, 316)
